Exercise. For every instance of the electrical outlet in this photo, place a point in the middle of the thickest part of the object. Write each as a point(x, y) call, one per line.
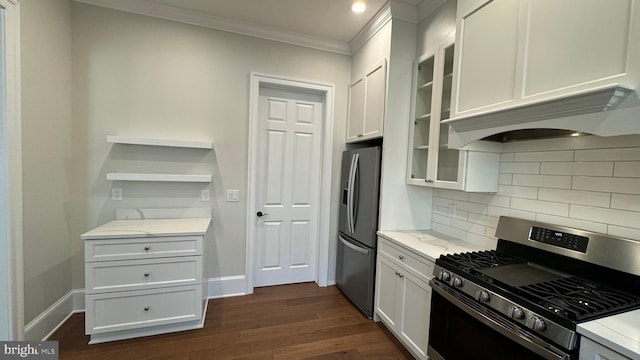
point(452, 210)
point(205, 195)
point(233, 195)
point(116, 194)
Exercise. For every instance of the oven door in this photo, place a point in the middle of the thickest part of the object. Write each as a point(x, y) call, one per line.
point(460, 328)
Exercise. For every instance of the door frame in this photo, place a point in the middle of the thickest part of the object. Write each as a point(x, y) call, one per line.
point(12, 271)
point(258, 80)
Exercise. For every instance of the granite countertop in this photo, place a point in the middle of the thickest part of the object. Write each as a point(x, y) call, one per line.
point(148, 227)
point(620, 333)
point(428, 243)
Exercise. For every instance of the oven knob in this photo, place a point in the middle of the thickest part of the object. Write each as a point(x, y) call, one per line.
point(483, 296)
point(457, 282)
point(535, 323)
point(444, 276)
point(516, 313)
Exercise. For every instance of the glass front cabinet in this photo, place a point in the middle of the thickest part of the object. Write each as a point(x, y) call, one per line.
point(430, 161)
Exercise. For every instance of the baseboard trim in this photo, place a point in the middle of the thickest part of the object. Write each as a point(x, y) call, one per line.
point(227, 286)
point(50, 320)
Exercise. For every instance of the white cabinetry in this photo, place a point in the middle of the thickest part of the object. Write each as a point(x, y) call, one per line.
point(590, 350)
point(367, 96)
point(513, 53)
point(430, 161)
point(139, 285)
point(403, 295)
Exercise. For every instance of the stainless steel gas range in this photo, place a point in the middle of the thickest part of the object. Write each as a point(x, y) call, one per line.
point(525, 299)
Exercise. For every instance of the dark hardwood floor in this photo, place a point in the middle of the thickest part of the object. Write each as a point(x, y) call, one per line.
point(300, 321)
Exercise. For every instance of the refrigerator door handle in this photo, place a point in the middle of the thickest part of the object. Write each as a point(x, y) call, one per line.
point(352, 178)
point(356, 190)
point(353, 247)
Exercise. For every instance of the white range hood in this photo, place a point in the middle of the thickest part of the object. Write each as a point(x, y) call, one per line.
point(604, 111)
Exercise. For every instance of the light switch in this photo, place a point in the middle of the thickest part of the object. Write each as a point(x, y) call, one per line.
point(205, 195)
point(233, 195)
point(116, 194)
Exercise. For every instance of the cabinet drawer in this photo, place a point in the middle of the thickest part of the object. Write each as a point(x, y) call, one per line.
point(136, 309)
point(423, 268)
point(109, 276)
point(142, 248)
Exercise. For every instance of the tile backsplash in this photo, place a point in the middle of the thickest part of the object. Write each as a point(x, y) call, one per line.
point(596, 189)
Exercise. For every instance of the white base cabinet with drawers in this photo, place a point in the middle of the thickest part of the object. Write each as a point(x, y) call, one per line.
point(403, 295)
point(144, 277)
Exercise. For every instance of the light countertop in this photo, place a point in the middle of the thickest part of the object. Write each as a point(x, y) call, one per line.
point(620, 333)
point(148, 227)
point(430, 244)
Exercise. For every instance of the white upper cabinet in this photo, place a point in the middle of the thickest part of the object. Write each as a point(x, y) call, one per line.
point(367, 96)
point(512, 53)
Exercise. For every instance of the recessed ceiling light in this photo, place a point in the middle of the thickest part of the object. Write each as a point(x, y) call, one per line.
point(358, 6)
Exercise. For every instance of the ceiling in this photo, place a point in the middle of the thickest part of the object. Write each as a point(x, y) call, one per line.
point(327, 25)
point(325, 19)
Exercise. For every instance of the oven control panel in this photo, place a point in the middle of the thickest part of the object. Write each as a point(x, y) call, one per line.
point(559, 238)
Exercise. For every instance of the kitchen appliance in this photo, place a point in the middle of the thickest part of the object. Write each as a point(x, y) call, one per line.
point(358, 222)
point(525, 299)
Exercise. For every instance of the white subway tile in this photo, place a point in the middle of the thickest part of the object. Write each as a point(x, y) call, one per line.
point(574, 223)
point(545, 207)
point(624, 232)
point(447, 230)
point(610, 216)
point(607, 184)
point(460, 215)
point(441, 219)
point(483, 220)
point(491, 232)
point(518, 191)
point(494, 200)
point(577, 168)
point(506, 157)
point(440, 210)
point(505, 179)
point(483, 241)
point(453, 194)
point(622, 154)
point(520, 168)
point(469, 227)
point(627, 169)
point(471, 207)
point(440, 201)
point(544, 156)
point(500, 211)
point(575, 197)
point(625, 202)
point(548, 181)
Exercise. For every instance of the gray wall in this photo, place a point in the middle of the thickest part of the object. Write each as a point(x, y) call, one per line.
point(142, 76)
point(46, 151)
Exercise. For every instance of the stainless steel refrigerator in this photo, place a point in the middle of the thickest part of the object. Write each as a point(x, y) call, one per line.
point(356, 258)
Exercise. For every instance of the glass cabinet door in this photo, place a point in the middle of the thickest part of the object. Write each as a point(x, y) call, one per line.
point(448, 159)
point(423, 118)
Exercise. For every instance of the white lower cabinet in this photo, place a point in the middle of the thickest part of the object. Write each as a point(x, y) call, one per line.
point(403, 295)
point(139, 286)
point(590, 350)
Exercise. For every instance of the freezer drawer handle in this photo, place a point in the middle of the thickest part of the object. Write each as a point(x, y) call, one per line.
point(354, 247)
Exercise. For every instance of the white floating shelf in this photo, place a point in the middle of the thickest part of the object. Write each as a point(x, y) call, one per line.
point(159, 177)
point(159, 142)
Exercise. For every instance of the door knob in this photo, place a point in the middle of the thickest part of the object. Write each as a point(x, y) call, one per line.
point(261, 214)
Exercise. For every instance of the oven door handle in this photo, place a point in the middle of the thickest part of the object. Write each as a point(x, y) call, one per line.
point(519, 339)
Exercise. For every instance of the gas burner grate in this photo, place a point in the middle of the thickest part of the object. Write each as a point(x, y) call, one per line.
point(479, 260)
point(577, 298)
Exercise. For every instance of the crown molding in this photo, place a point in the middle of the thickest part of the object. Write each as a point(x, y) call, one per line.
point(373, 26)
point(166, 12)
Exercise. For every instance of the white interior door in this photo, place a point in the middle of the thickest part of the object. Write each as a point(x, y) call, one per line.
point(287, 191)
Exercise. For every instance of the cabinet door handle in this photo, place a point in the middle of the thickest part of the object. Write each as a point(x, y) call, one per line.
point(146, 308)
point(400, 275)
point(401, 257)
point(146, 274)
point(147, 248)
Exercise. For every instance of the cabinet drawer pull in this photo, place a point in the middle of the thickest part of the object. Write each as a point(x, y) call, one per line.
point(147, 248)
point(401, 257)
point(146, 308)
point(400, 275)
point(146, 274)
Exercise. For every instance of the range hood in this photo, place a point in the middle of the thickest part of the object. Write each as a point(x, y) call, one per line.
point(605, 111)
